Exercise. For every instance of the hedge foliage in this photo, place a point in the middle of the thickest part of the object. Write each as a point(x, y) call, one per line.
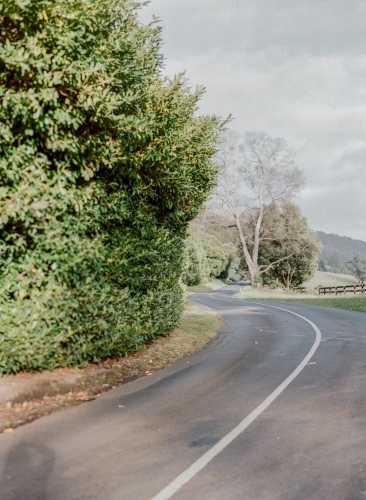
point(103, 163)
point(206, 258)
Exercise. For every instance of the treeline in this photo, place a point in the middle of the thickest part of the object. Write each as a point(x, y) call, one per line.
point(103, 163)
point(337, 251)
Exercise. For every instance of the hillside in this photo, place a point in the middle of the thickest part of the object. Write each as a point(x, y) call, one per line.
point(329, 279)
point(337, 250)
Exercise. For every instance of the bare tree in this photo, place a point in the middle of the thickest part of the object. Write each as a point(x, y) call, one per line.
point(255, 171)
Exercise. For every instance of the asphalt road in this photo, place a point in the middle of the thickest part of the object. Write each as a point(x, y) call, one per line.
point(306, 442)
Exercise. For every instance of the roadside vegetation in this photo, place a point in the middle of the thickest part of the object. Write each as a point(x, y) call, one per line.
point(206, 258)
point(105, 167)
point(29, 396)
point(350, 302)
point(103, 163)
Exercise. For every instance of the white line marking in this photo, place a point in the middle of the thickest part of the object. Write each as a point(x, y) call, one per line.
point(201, 462)
point(344, 338)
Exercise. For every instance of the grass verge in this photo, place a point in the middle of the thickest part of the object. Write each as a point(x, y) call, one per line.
point(29, 396)
point(351, 303)
point(198, 289)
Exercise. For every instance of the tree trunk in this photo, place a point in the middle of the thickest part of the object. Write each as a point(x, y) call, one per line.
point(257, 233)
point(251, 268)
point(252, 277)
point(287, 283)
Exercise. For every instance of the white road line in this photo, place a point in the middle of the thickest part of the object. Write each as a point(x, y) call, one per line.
point(200, 463)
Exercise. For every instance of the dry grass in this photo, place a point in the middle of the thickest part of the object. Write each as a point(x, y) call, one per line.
point(198, 289)
point(207, 287)
point(31, 396)
point(329, 279)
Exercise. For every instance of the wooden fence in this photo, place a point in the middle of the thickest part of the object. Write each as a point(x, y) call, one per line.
point(342, 289)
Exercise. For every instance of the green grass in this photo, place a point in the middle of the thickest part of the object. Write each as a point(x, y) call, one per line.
point(350, 302)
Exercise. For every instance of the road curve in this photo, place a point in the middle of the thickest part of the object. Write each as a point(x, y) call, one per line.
point(309, 442)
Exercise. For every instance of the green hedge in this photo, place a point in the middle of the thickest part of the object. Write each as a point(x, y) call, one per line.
point(103, 163)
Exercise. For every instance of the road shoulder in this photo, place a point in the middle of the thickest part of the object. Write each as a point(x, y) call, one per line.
point(25, 397)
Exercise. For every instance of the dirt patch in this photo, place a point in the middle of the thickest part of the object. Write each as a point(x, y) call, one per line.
point(27, 396)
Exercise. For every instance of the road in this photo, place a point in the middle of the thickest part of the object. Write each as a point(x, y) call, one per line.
point(170, 435)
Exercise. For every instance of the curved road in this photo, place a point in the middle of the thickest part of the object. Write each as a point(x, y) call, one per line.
point(303, 441)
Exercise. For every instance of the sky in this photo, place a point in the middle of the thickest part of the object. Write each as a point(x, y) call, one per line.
point(291, 68)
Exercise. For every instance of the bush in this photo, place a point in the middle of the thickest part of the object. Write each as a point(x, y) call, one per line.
point(218, 258)
point(206, 258)
point(103, 164)
point(195, 264)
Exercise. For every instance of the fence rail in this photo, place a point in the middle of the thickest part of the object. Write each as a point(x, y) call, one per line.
point(342, 289)
point(300, 289)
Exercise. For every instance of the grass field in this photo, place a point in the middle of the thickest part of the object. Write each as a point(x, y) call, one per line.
point(329, 279)
point(350, 302)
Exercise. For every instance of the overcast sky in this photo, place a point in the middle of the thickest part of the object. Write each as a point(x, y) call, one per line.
point(292, 68)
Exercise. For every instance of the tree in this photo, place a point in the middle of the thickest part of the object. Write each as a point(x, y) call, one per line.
point(103, 163)
point(357, 267)
point(334, 265)
point(206, 258)
point(194, 268)
point(322, 265)
point(219, 227)
point(255, 171)
point(295, 248)
point(218, 258)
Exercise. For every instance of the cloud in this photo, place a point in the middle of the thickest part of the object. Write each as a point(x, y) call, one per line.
point(291, 69)
point(318, 27)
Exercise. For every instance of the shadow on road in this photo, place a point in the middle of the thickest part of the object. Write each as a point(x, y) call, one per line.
point(27, 469)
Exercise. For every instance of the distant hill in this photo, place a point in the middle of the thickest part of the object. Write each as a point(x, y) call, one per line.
point(337, 250)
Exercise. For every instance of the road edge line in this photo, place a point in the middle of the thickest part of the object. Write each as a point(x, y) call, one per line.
point(201, 462)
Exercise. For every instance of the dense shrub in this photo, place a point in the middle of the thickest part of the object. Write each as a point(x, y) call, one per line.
point(195, 262)
point(206, 258)
point(103, 163)
point(218, 258)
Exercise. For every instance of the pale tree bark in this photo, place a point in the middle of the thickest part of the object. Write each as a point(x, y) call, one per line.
point(255, 171)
